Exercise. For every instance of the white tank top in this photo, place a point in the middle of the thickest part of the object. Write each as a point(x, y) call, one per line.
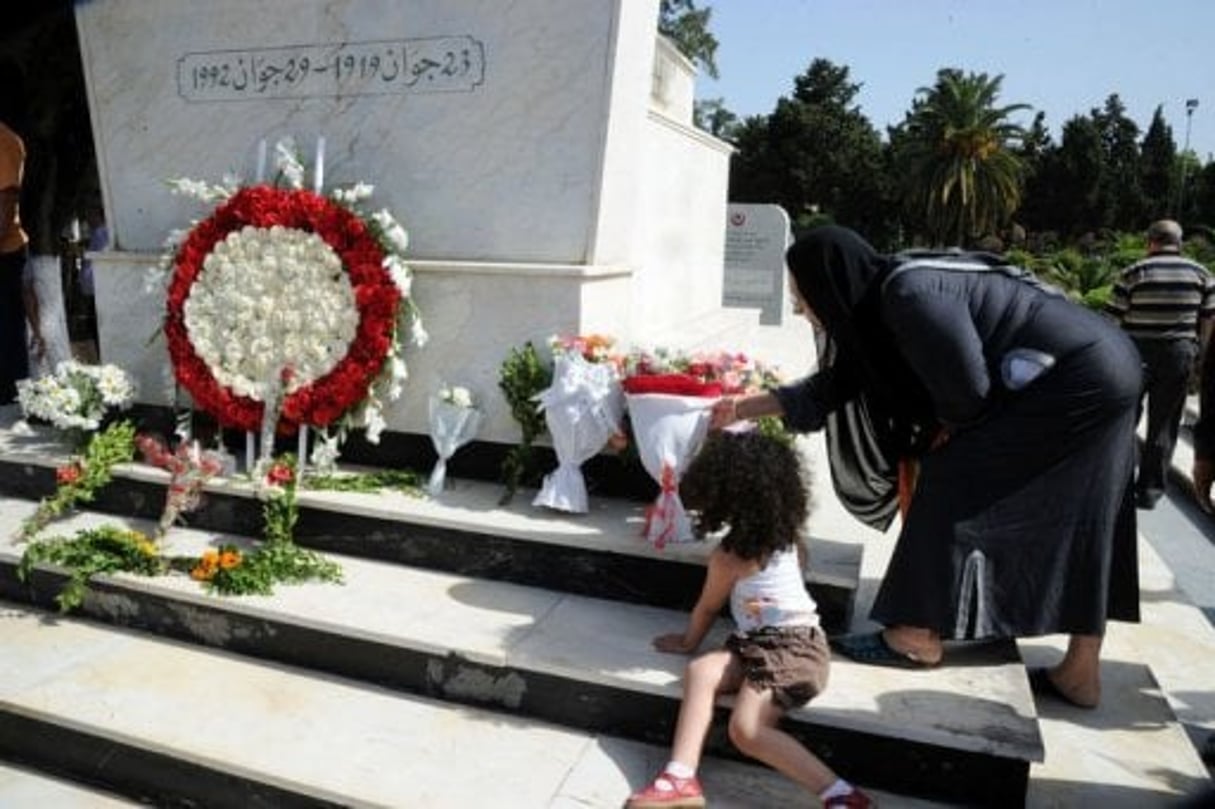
point(773, 596)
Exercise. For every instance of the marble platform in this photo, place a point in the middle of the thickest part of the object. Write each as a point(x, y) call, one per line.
point(537, 652)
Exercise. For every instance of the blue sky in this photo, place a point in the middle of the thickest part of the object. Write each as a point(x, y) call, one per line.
point(1063, 57)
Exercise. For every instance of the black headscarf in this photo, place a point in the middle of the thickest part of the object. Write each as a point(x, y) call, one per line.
point(891, 416)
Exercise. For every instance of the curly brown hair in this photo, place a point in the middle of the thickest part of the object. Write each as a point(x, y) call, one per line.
point(753, 485)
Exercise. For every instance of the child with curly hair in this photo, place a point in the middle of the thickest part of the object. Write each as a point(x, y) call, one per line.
point(752, 486)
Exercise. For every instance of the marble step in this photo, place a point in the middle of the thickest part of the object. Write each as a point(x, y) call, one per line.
point(951, 733)
point(171, 724)
point(466, 531)
point(23, 786)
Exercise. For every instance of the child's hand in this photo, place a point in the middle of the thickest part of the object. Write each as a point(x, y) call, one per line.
point(673, 643)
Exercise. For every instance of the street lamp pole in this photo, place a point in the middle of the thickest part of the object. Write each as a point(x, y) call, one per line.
point(1191, 104)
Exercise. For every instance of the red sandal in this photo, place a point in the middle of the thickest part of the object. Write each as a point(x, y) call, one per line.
point(668, 792)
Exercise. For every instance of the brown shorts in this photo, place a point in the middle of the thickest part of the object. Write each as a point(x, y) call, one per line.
point(792, 661)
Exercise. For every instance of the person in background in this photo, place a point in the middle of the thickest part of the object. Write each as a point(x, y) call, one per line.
point(98, 239)
point(777, 659)
point(1203, 471)
point(18, 304)
point(1165, 303)
point(1020, 406)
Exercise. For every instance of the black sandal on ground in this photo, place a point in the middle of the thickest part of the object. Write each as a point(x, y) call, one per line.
point(871, 648)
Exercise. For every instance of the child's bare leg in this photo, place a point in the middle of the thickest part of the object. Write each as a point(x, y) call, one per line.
point(754, 732)
point(707, 675)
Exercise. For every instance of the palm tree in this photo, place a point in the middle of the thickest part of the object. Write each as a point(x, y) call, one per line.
point(963, 176)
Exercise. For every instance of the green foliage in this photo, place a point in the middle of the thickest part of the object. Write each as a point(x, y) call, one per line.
point(280, 511)
point(1081, 276)
point(964, 176)
point(82, 477)
point(271, 563)
point(815, 155)
point(1158, 167)
point(1121, 202)
point(688, 27)
point(107, 549)
point(402, 480)
point(1098, 297)
point(711, 115)
point(226, 570)
point(774, 427)
point(523, 375)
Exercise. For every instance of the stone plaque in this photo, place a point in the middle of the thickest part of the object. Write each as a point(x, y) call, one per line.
point(756, 239)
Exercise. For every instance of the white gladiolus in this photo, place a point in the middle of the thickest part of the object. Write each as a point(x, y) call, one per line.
point(417, 334)
point(374, 420)
point(401, 275)
point(288, 164)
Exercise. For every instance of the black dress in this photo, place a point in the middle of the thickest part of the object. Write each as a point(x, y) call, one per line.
point(1022, 522)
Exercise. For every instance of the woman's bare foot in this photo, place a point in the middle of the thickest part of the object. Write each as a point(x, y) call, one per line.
point(921, 644)
point(1076, 687)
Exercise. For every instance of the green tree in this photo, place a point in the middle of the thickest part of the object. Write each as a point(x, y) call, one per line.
point(1158, 167)
point(963, 176)
point(688, 27)
point(1077, 177)
point(1037, 153)
point(712, 116)
point(1203, 197)
point(816, 155)
point(1120, 198)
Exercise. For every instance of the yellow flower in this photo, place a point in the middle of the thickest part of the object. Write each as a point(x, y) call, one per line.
point(229, 559)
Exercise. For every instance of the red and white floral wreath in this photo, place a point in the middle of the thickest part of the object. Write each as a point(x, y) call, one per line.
point(304, 244)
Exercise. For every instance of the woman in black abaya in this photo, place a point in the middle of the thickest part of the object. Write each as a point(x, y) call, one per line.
point(1019, 406)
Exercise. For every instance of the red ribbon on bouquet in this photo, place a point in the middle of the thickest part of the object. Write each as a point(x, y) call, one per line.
point(663, 509)
point(671, 384)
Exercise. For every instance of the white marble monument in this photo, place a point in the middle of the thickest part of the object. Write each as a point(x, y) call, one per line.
point(540, 154)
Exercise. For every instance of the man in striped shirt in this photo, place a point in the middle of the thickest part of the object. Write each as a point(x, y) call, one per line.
point(1165, 303)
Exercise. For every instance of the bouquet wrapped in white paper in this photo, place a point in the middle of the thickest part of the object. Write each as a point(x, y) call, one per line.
point(454, 420)
point(670, 417)
point(582, 410)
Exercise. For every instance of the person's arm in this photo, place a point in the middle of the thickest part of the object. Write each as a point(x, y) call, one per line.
point(731, 409)
point(719, 580)
point(803, 404)
point(1119, 302)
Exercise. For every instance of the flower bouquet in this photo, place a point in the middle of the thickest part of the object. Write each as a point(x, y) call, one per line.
point(76, 398)
point(582, 409)
point(669, 397)
point(454, 419)
point(189, 467)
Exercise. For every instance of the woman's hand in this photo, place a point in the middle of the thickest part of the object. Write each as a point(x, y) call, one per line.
point(673, 643)
point(724, 413)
